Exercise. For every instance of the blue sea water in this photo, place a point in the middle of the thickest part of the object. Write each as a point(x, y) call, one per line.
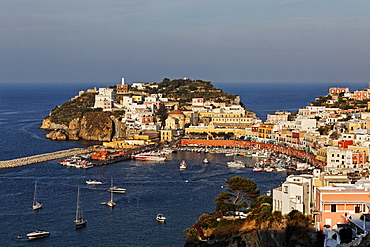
point(151, 187)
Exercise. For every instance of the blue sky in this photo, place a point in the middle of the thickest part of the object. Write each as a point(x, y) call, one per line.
point(219, 41)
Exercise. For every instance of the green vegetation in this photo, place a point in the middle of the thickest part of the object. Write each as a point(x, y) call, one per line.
point(239, 191)
point(293, 228)
point(183, 90)
point(73, 108)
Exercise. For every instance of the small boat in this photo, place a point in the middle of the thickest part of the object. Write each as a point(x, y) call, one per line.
point(257, 169)
point(161, 218)
point(183, 165)
point(36, 204)
point(269, 169)
point(235, 164)
point(93, 182)
point(111, 203)
point(116, 189)
point(38, 234)
point(205, 160)
point(280, 169)
point(80, 222)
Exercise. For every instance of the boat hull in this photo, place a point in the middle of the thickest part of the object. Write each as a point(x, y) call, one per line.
point(38, 234)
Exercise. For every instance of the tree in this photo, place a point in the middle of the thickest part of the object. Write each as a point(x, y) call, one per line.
point(162, 113)
point(239, 191)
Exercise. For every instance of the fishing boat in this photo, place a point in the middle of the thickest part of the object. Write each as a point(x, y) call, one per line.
point(150, 156)
point(36, 204)
point(80, 222)
point(183, 165)
point(111, 203)
point(91, 182)
point(160, 218)
point(38, 234)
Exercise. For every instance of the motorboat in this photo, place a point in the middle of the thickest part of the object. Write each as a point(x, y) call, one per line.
point(183, 165)
point(205, 160)
point(235, 164)
point(257, 169)
point(79, 221)
point(36, 204)
point(269, 169)
point(150, 156)
point(93, 182)
point(116, 189)
point(38, 234)
point(160, 218)
point(280, 169)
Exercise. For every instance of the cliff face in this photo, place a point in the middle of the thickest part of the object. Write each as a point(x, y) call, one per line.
point(93, 126)
point(272, 234)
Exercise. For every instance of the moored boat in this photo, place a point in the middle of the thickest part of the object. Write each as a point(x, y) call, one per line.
point(160, 218)
point(38, 234)
point(116, 189)
point(257, 169)
point(183, 165)
point(235, 164)
point(93, 182)
point(80, 222)
point(111, 203)
point(36, 204)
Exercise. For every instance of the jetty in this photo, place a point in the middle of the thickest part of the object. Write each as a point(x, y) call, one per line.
point(43, 157)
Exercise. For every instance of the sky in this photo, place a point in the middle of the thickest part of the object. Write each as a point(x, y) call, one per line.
point(215, 40)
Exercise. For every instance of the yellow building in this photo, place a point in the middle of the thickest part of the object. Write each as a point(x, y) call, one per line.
point(352, 126)
point(167, 135)
point(265, 130)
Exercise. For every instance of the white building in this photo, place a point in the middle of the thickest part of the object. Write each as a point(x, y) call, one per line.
point(105, 98)
point(294, 194)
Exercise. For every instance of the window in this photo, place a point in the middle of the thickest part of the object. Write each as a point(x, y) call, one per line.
point(333, 208)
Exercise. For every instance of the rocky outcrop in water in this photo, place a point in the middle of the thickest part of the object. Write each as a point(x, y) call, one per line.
point(93, 126)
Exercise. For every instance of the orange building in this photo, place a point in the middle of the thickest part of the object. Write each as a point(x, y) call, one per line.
point(265, 130)
point(341, 199)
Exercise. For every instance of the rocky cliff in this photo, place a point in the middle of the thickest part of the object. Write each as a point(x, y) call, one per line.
point(92, 126)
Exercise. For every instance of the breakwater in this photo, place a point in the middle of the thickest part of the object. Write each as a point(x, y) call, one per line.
point(43, 157)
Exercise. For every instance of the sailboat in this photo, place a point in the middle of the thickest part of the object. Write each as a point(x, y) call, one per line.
point(111, 203)
point(80, 222)
point(36, 205)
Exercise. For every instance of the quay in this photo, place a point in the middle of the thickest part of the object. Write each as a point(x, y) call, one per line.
point(43, 157)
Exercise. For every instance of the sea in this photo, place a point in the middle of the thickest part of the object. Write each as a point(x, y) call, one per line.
point(151, 187)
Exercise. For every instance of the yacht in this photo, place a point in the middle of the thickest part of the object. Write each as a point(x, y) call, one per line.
point(38, 234)
point(235, 164)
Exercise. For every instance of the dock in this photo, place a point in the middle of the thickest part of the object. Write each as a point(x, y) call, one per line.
point(43, 157)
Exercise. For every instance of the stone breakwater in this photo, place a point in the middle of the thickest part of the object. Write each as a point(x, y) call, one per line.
point(43, 157)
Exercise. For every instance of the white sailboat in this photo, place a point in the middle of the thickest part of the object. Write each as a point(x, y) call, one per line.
point(35, 204)
point(111, 203)
point(80, 222)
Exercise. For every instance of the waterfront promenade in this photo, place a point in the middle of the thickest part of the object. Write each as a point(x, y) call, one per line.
point(43, 157)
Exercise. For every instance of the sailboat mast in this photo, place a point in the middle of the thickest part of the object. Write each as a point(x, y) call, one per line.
point(35, 194)
point(78, 204)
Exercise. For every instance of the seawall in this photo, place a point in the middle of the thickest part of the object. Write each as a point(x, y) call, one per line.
point(43, 157)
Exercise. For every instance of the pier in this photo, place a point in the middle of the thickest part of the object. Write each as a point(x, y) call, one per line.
point(43, 157)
